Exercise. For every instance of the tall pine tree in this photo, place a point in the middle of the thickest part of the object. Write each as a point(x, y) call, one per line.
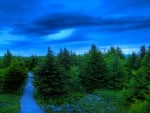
point(50, 78)
point(6, 61)
point(64, 58)
point(116, 68)
point(117, 73)
point(142, 52)
point(133, 62)
point(94, 73)
point(14, 76)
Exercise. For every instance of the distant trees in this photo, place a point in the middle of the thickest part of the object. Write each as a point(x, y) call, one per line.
point(6, 61)
point(32, 62)
point(142, 52)
point(133, 62)
point(94, 73)
point(146, 63)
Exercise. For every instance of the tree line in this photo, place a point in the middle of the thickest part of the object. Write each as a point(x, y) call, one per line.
point(57, 75)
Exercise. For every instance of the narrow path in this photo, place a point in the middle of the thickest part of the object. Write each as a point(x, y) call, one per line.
point(28, 104)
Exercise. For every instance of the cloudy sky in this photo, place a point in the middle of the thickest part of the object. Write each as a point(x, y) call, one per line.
point(29, 26)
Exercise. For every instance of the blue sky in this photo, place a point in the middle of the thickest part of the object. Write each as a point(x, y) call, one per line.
point(29, 26)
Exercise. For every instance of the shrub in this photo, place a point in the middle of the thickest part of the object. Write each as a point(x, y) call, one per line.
point(140, 107)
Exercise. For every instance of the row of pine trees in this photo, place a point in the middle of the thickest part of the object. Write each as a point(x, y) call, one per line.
point(58, 75)
point(66, 72)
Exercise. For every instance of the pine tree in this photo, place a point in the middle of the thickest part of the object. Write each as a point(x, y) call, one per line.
point(139, 84)
point(142, 52)
point(114, 51)
point(117, 73)
point(146, 64)
point(32, 62)
point(75, 60)
point(6, 61)
point(116, 68)
point(64, 58)
point(133, 62)
point(14, 76)
point(50, 78)
point(94, 75)
point(119, 53)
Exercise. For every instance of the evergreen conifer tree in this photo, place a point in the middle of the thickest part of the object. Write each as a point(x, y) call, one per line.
point(142, 52)
point(133, 62)
point(6, 61)
point(64, 58)
point(117, 73)
point(116, 68)
point(94, 74)
point(14, 76)
point(50, 78)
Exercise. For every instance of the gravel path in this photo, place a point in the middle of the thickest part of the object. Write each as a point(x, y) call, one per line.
point(28, 104)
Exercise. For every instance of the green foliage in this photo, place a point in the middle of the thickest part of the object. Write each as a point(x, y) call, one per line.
point(64, 58)
point(117, 71)
point(142, 52)
point(114, 52)
point(94, 72)
point(32, 62)
point(9, 103)
point(73, 80)
point(6, 61)
point(50, 78)
point(74, 72)
point(146, 63)
point(133, 62)
point(138, 87)
point(140, 107)
point(123, 82)
point(2, 74)
point(109, 95)
point(14, 76)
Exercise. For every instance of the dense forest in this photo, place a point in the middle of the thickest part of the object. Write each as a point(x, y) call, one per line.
point(94, 82)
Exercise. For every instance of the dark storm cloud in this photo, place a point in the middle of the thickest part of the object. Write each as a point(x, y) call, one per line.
point(53, 23)
point(21, 15)
point(20, 11)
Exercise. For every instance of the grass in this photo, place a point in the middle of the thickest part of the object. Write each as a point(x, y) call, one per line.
point(69, 98)
point(89, 103)
point(100, 101)
point(115, 97)
point(140, 107)
point(9, 103)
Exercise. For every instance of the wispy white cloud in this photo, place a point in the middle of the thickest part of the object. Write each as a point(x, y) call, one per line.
point(63, 34)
